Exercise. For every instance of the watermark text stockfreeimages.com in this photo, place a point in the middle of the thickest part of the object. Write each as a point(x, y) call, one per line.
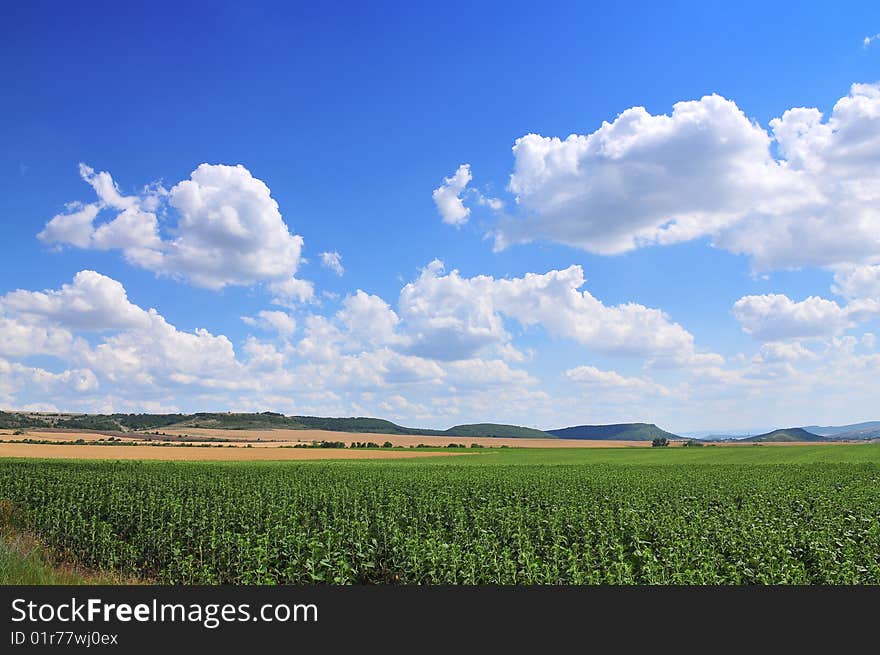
point(209, 615)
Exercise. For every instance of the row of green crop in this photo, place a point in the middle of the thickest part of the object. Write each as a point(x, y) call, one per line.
point(342, 524)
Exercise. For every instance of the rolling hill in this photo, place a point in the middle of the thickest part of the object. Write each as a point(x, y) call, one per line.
point(360, 424)
point(867, 430)
point(786, 434)
point(129, 422)
point(368, 425)
point(498, 430)
point(857, 435)
point(263, 421)
point(617, 431)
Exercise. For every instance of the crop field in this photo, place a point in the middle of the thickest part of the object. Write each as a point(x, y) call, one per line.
point(293, 436)
point(203, 453)
point(758, 515)
point(33, 442)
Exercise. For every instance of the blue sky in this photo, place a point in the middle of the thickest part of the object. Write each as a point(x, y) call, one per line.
point(731, 268)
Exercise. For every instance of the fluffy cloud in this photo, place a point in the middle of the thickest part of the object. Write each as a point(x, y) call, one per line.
point(495, 204)
point(369, 320)
point(706, 170)
point(486, 374)
point(332, 261)
point(858, 282)
point(452, 317)
point(398, 405)
point(263, 358)
point(364, 360)
point(369, 370)
point(75, 227)
point(107, 190)
point(838, 160)
point(280, 322)
point(448, 196)
point(91, 302)
point(554, 300)
point(787, 351)
point(15, 376)
point(20, 338)
point(135, 229)
point(143, 351)
point(160, 353)
point(292, 291)
point(594, 378)
point(229, 230)
point(776, 317)
point(642, 178)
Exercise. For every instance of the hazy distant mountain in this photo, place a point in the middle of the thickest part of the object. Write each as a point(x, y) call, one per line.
point(721, 437)
point(786, 434)
point(617, 431)
point(721, 434)
point(867, 430)
point(851, 432)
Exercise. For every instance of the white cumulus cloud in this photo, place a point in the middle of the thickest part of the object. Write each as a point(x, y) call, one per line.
point(784, 351)
point(775, 317)
point(91, 302)
point(452, 317)
point(858, 282)
point(280, 322)
point(592, 377)
point(23, 338)
point(332, 261)
point(707, 170)
point(229, 230)
point(369, 319)
point(448, 196)
point(292, 291)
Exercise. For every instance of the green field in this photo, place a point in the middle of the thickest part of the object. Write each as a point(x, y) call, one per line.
point(713, 515)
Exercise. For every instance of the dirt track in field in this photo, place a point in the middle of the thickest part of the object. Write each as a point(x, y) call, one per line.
point(211, 453)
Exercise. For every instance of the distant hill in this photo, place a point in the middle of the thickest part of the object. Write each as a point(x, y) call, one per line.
point(58, 420)
point(360, 424)
point(618, 431)
point(725, 434)
point(216, 420)
point(129, 422)
point(241, 421)
point(498, 430)
point(786, 434)
point(857, 435)
point(867, 430)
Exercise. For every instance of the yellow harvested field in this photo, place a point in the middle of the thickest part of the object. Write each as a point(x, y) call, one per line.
point(272, 440)
point(61, 451)
point(60, 435)
point(300, 436)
